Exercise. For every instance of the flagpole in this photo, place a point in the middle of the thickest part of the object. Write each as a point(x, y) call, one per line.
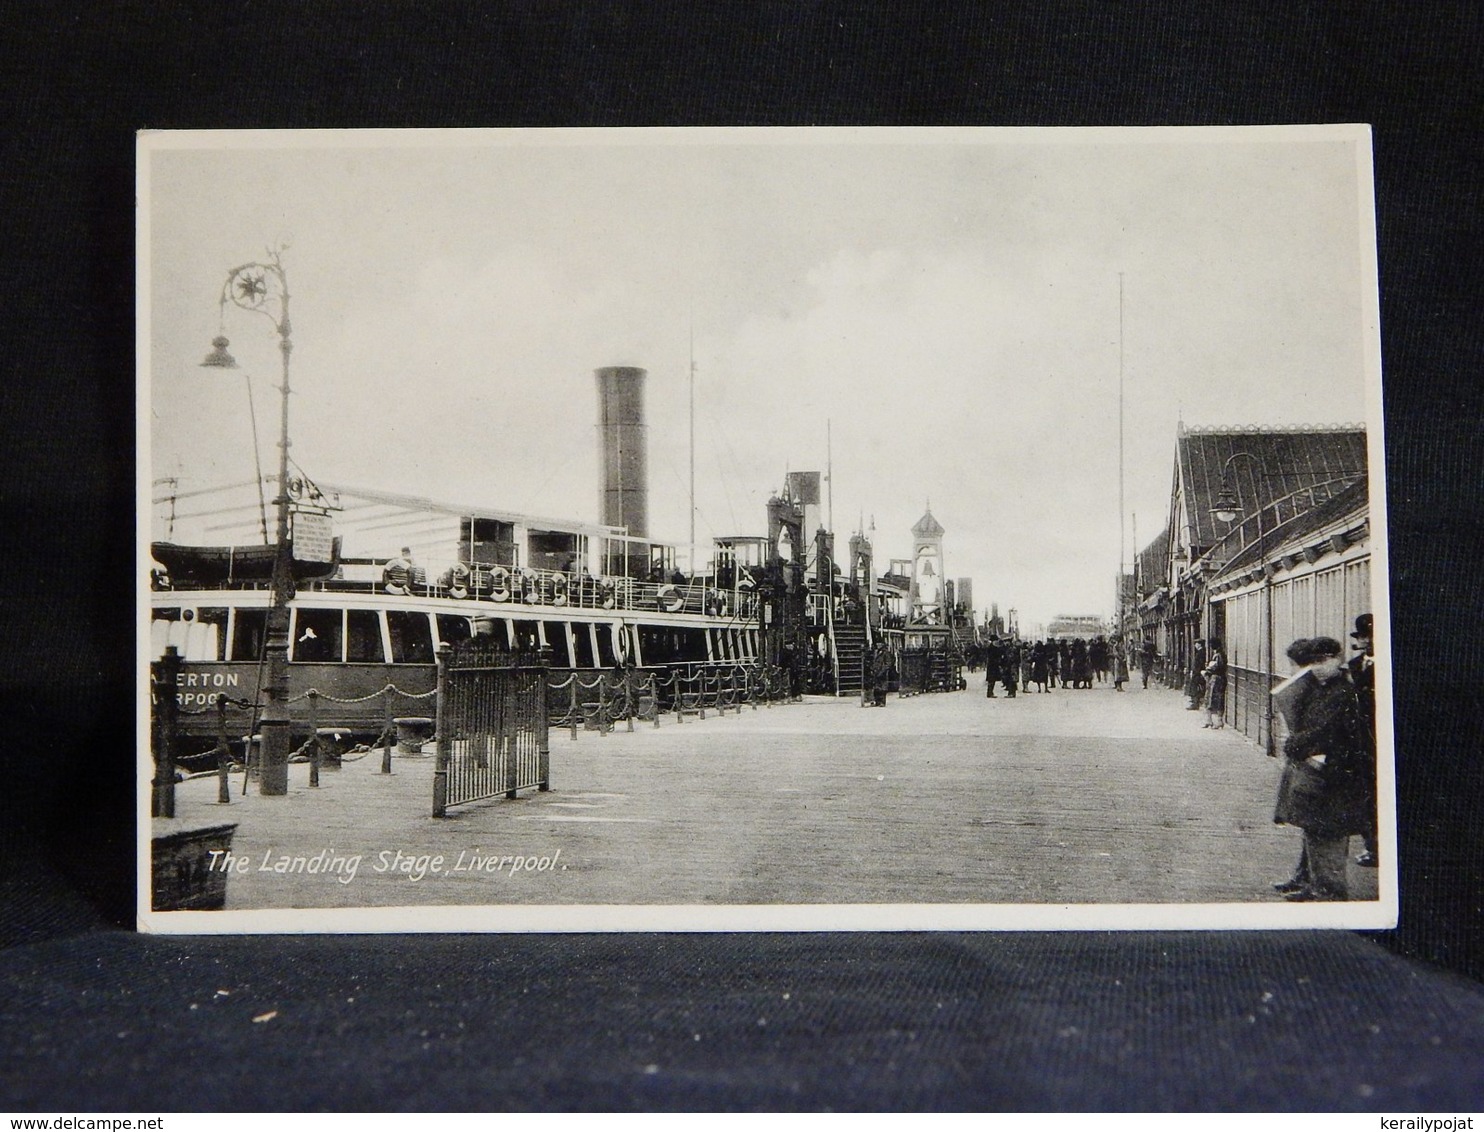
point(829, 473)
point(1122, 601)
point(692, 563)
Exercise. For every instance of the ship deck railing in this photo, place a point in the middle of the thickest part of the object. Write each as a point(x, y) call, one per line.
point(548, 589)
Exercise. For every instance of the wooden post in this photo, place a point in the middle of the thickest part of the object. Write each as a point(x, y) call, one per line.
point(444, 745)
point(511, 726)
point(543, 738)
point(386, 729)
point(166, 673)
point(223, 754)
point(576, 705)
point(313, 738)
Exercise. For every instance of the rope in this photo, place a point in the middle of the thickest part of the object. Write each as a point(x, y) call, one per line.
point(362, 699)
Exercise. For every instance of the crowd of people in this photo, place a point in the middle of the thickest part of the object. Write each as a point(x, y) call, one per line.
point(1016, 665)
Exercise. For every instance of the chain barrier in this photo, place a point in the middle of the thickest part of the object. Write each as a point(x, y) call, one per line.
point(598, 700)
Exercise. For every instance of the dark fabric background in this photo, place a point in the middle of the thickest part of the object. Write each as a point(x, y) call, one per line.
point(93, 1016)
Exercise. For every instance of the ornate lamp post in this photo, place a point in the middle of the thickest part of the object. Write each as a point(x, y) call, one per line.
point(260, 287)
point(1228, 509)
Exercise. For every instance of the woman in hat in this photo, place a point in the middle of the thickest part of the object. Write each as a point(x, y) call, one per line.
point(1323, 790)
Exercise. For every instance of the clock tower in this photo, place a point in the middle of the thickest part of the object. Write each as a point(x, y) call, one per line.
point(927, 597)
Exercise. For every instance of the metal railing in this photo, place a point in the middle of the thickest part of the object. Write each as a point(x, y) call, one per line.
point(554, 589)
point(491, 724)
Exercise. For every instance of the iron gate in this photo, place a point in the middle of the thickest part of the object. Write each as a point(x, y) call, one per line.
point(491, 724)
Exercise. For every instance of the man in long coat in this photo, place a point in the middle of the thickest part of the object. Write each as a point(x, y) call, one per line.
point(1362, 668)
point(1325, 789)
point(991, 666)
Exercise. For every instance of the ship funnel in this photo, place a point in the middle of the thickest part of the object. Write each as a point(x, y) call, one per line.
point(624, 443)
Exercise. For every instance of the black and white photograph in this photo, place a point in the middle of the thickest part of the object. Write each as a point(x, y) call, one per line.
point(761, 529)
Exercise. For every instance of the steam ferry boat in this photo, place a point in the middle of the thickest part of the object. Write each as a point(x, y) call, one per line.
point(368, 613)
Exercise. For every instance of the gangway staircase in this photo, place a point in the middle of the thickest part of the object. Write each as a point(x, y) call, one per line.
point(850, 659)
point(963, 637)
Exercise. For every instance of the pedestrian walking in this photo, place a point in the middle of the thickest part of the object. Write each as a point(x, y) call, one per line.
point(881, 667)
point(1097, 654)
point(1146, 662)
point(1081, 665)
point(1120, 665)
point(1040, 665)
point(1324, 790)
point(1214, 674)
point(1195, 682)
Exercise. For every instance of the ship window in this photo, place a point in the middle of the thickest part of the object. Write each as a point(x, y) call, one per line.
point(527, 635)
point(318, 635)
point(606, 659)
point(496, 629)
point(206, 636)
point(363, 637)
point(692, 644)
point(164, 624)
point(656, 645)
point(249, 627)
point(667, 645)
point(452, 628)
point(412, 637)
point(556, 640)
point(582, 638)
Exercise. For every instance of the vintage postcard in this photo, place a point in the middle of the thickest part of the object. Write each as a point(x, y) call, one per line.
point(761, 529)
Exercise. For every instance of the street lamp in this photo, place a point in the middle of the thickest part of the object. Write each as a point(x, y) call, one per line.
point(1228, 508)
point(258, 287)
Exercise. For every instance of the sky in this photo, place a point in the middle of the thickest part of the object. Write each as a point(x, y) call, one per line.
point(940, 317)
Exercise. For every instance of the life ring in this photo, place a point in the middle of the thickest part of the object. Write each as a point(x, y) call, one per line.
point(606, 595)
point(822, 645)
point(456, 581)
point(669, 599)
point(620, 642)
point(559, 590)
point(395, 576)
point(530, 589)
point(500, 584)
